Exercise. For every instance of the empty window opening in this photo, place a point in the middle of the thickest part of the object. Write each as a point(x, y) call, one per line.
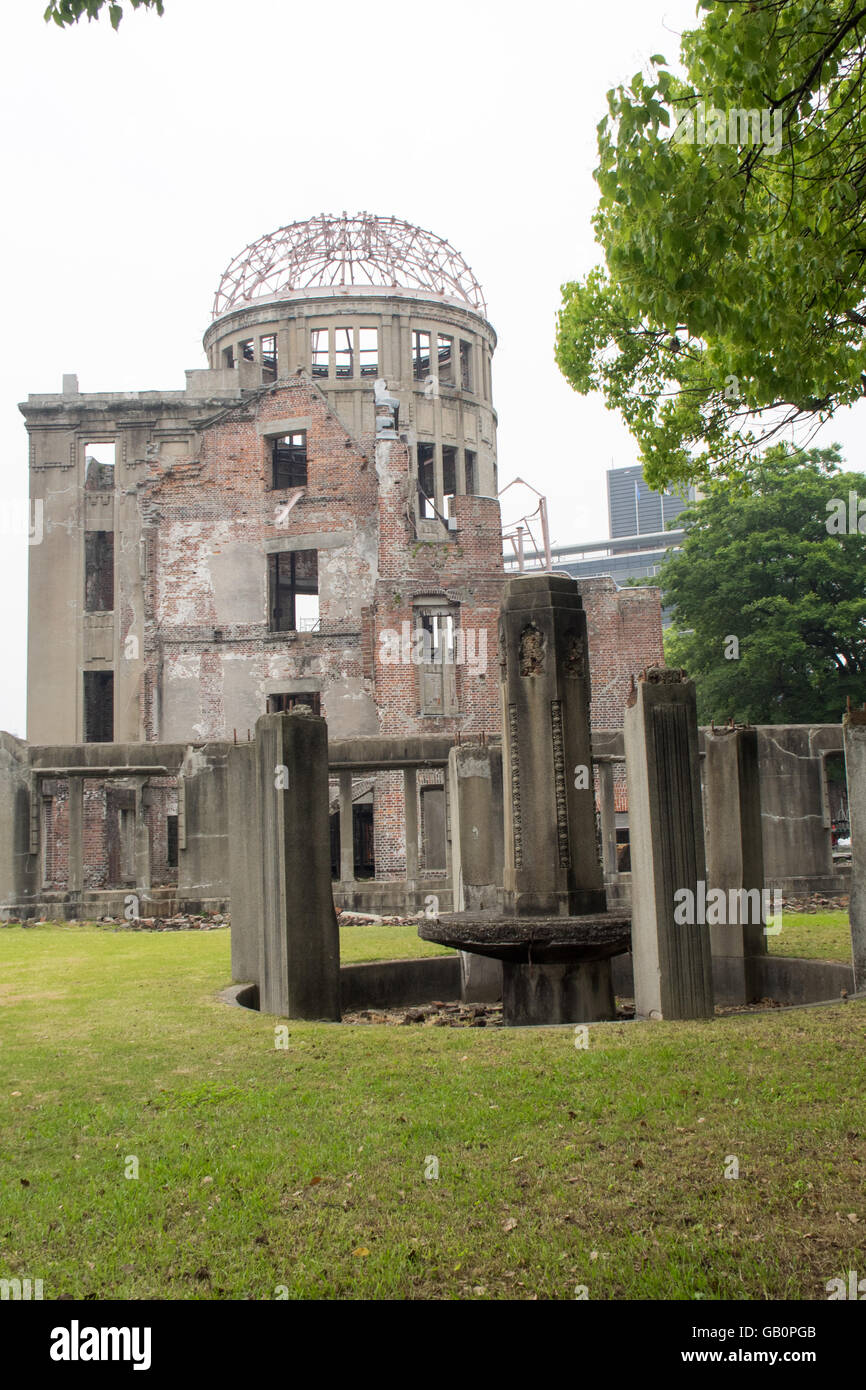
point(446, 358)
point(99, 461)
point(466, 365)
point(368, 351)
point(247, 350)
point(171, 841)
point(228, 357)
point(471, 466)
point(344, 352)
point(293, 583)
point(268, 345)
point(437, 671)
point(420, 354)
point(98, 706)
point(362, 842)
point(426, 482)
point(449, 476)
point(320, 348)
point(439, 640)
point(289, 460)
point(285, 700)
point(837, 801)
point(433, 827)
point(98, 571)
point(487, 388)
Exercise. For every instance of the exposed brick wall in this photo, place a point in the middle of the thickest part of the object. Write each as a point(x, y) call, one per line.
point(624, 632)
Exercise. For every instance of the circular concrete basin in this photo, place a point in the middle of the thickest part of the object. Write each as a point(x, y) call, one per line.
point(532, 940)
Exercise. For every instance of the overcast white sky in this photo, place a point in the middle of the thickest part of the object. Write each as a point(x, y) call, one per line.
point(137, 164)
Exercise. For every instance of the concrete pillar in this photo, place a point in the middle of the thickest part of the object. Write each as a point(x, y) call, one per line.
point(735, 861)
point(475, 799)
point(410, 803)
point(18, 867)
point(142, 839)
point(854, 735)
point(672, 962)
point(477, 844)
point(557, 993)
point(299, 971)
point(608, 818)
point(347, 837)
point(76, 834)
point(551, 856)
point(203, 859)
point(245, 861)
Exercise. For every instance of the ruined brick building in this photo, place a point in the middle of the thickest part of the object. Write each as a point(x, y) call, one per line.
point(313, 519)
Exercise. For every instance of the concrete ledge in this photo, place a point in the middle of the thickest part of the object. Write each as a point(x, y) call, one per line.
point(391, 984)
point(831, 884)
point(796, 981)
point(241, 996)
point(95, 903)
point(789, 979)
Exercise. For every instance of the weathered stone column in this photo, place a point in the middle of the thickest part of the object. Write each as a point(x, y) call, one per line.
point(854, 735)
point(552, 866)
point(672, 962)
point(18, 867)
point(735, 861)
point(608, 817)
point(410, 820)
point(143, 878)
point(76, 834)
point(551, 856)
point(475, 798)
point(347, 831)
point(245, 861)
point(299, 973)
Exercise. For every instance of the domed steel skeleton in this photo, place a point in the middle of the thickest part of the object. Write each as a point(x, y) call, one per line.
point(331, 252)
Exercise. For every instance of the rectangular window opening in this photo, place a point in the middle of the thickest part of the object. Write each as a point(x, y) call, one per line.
point(437, 671)
point(285, 700)
point(98, 571)
point(420, 354)
point(320, 346)
point(344, 352)
point(368, 351)
point(466, 365)
point(289, 460)
point(449, 476)
point(171, 842)
point(268, 345)
point(293, 588)
point(98, 706)
point(471, 466)
point(446, 359)
point(247, 350)
point(426, 482)
point(99, 461)
point(229, 357)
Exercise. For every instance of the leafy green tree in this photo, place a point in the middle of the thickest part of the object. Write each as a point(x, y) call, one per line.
point(732, 212)
point(65, 12)
point(761, 567)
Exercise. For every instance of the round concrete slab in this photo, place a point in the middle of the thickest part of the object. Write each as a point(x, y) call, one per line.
point(532, 940)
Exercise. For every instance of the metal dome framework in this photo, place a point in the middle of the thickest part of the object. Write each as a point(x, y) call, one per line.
point(345, 252)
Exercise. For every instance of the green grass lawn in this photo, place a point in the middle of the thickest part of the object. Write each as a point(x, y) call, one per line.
point(304, 1168)
point(376, 942)
point(816, 935)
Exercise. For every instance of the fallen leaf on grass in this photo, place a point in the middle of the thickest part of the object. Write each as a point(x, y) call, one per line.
point(510, 1224)
point(361, 1251)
